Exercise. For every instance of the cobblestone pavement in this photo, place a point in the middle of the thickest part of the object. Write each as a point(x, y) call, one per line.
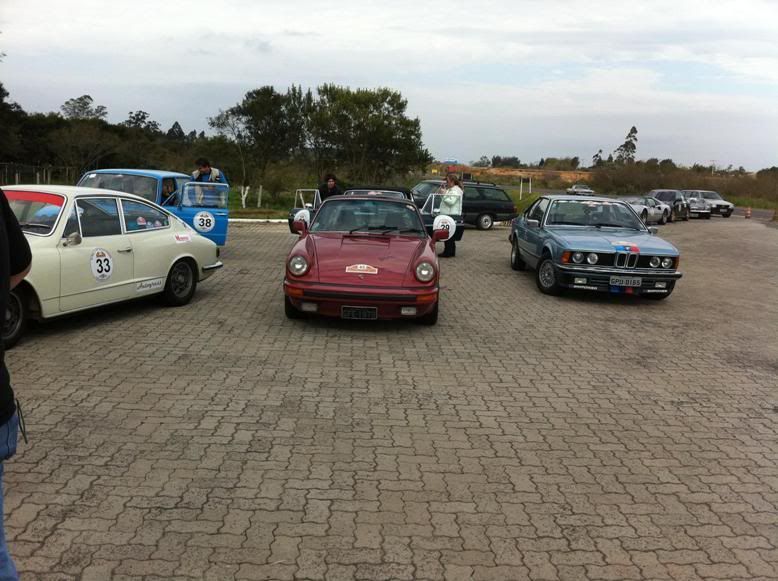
point(524, 437)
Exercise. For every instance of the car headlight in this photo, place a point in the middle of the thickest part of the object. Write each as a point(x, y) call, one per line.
point(578, 257)
point(425, 272)
point(298, 266)
point(667, 262)
point(592, 258)
point(655, 262)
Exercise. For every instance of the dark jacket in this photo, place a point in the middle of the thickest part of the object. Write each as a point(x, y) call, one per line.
point(325, 192)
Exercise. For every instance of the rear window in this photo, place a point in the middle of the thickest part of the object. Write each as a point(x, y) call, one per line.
point(37, 213)
point(494, 195)
point(664, 196)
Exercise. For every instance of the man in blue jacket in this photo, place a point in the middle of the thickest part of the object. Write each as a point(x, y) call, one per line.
point(206, 173)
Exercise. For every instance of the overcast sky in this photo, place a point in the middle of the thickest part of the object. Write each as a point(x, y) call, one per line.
point(531, 78)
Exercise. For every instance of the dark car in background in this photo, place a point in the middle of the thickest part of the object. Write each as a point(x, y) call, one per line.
point(676, 200)
point(484, 203)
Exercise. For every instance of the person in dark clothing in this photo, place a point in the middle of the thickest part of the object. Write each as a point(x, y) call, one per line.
point(15, 261)
point(206, 173)
point(329, 187)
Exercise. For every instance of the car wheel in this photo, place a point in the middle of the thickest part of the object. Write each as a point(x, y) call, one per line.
point(545, 277)
point(181, 283)
point(663, 219)
point(644, 217)
point(671, 217)
point(707, 216)
point(726, 215)
point(17, 314)
point(517, 263)
point(430, 318)
point(686, 216)
point(290, 310)
point(484, 222)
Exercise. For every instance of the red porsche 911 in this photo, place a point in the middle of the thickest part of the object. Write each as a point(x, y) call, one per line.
point(364, 257)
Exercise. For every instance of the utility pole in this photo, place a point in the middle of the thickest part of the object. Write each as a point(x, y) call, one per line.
point(712, 166)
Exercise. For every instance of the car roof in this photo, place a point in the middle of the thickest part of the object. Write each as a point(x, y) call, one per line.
point(404, 201)
point(572, 197)
point(71, 191)
point(153, 173)
point(464, 183)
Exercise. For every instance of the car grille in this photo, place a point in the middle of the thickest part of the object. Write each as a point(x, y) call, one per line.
point(626, 259)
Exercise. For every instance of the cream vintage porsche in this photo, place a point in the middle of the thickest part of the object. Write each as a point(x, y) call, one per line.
point(92, 247)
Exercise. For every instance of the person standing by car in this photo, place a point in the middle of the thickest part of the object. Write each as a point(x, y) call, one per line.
point(206, 173)
point(15, 260)
point(330, 187)
point(451, 205)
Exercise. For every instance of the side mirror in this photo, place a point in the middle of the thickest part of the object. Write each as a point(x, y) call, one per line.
point(533, 224)
point(300, 226)
point(73, 239)
point(438, 235)
point(653, 230)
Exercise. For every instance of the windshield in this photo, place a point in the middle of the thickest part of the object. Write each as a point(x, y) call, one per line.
point(595, 213)
point(383, 217)
point(448, 204)
point(36, 212)
point(666, 196)
point(205, 195)
point(143, 186)
point(425, 188)
point(711, 196)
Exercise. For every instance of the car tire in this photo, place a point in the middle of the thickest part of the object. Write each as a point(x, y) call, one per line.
point(290, 310)
point(686, 216)
point(17, 316)
point(726, 215)
point(707, 216)
point(430, 318)
point(663, 219)
point(546, 278)
point(181, 283)
point(484, 222)
point(517, 263)
point(644, 217)
point(671, 217)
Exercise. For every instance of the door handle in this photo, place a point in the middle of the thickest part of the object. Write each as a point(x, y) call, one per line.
point(125, 250)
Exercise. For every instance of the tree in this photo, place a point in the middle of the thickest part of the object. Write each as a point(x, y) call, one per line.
point(140, 120)
point(176, 132)
point(81, 108)
point(83, 143)
point(625, 153)
point(230, 124)
point(11, 117)
point(483, 162)
point(597, 159)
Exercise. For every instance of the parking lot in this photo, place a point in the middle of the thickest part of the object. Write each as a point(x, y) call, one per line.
point(523, 437)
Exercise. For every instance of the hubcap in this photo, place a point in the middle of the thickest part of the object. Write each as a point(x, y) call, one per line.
point(486, 222)
point(13, 316)
point(546, 274)
point(181, 280)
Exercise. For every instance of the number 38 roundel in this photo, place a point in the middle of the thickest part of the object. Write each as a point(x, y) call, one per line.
point(444, 222)
point(204, 221)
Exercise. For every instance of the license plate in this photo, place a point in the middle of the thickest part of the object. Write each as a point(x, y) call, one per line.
point(359, 313)
point(623, 281)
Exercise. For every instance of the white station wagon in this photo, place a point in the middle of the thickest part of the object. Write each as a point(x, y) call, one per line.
point(92, 247)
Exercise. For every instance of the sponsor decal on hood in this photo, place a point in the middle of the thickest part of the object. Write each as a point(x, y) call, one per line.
point(361, 269)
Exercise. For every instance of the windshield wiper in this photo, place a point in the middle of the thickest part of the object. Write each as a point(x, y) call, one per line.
point(614, 226)
point(34, 225)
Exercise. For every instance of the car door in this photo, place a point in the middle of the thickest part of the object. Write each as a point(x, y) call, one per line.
point(98, 269)
point(531, 239)
point(471, 204)
point(153, 245)
point(496, 201)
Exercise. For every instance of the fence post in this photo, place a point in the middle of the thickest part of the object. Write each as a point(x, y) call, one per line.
point(530, 185)
point(259, 197)
point(521, 188)
point(16, 177)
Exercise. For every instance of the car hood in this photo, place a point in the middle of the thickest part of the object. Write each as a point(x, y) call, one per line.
point(610, 239)
point(391, 256)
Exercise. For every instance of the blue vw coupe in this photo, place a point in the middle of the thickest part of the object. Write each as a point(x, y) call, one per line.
point(595, 244)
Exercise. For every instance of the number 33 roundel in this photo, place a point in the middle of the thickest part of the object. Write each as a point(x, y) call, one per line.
point(102, 264)
point(444, 222)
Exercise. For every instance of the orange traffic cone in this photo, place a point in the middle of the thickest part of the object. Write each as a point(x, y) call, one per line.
point(748, 212)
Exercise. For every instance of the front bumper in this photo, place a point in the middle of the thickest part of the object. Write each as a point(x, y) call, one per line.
point(700, 212)
point(389, 302)
point(722, 210)
point(653, 281)
point(209, 269)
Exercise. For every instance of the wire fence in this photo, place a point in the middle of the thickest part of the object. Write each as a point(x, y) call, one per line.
point(21, 173)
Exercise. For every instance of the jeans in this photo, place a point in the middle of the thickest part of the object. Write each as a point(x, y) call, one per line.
point(9, 432)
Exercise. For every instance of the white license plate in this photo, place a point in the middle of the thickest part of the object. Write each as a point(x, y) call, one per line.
point(624, 281)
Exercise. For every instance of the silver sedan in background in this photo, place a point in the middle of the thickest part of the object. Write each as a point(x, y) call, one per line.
point(649, 209)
